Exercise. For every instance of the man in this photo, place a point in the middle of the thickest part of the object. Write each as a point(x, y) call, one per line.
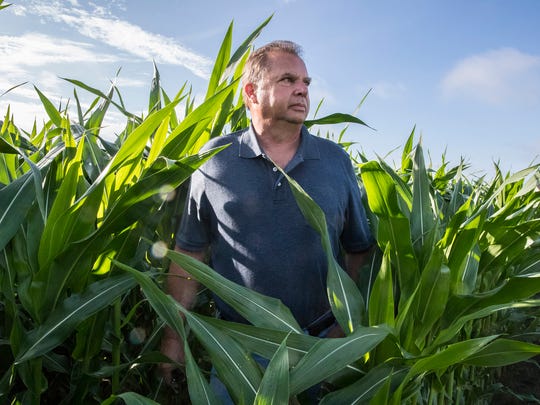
point(241, 209)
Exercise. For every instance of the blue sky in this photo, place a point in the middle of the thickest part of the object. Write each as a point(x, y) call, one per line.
point(465, 73)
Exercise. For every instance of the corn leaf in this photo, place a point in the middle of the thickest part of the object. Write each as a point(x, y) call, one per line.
point(243, 48)
point(265, 341)
point(93, 124)
point(381, 308)
point(455, 353)
point(393, 227)
point(59, 226)
point(274, 387)
point(328, 356)
point(234, 366)
point(166, 308)
point(512, 290)
point(51, 110)
point(336, 118)
point(74, 309)
point(154, 101)
point(503, 352)
point(364, 389)
point(198, 387)
point(104, 96)
point(256, 308)
point(345, 299)
point(432, 296)
point(220, 63)
point(422, 216)
point(203, 114)
point(130, 398)
point(17, 197)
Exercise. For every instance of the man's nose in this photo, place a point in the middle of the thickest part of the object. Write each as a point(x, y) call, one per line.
point(301, 88)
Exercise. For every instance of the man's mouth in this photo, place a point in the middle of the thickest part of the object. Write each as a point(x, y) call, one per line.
point(299, 106)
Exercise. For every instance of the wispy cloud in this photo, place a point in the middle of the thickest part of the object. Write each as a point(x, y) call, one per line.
point(100, 25)
point(497, 76)
point(36, 49)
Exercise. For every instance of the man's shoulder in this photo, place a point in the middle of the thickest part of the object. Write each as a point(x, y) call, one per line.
point(329, 147)
point(218, 141)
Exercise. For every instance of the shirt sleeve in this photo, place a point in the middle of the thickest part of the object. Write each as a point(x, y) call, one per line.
point(194, 231)
point(357, 236)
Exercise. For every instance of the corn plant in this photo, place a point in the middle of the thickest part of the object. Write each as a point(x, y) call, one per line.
point(86, 236)
point(71, 202)
point(76, 208)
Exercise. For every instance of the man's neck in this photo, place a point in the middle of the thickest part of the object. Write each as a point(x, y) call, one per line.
point(280, 141)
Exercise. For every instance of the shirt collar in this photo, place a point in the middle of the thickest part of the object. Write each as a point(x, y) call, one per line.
point(249, 145)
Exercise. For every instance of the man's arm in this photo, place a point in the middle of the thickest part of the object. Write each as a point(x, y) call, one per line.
point(183, 288)
point(354, 261)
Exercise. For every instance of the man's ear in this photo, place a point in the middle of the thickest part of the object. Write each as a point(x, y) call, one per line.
point(250, 92)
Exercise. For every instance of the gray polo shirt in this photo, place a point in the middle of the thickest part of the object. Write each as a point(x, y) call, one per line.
point(241, 207)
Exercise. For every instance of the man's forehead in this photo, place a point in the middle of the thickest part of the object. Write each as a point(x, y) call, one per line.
point(280, 62)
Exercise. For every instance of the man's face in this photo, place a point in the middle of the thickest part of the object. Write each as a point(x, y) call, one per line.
point(282, 93)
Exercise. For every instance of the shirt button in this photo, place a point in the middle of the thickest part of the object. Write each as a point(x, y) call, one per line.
point(279, 184)
point(274, 169)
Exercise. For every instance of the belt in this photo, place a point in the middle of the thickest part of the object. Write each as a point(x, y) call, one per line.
point(320, 324)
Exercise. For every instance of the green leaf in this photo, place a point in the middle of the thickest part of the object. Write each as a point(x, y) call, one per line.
point(453, 354)
point(345, 299)
point(336, 118)
point(243, 48)
point(15, 200)
point(514, 289)
point(59, 226)
point(274, 387)
point(503, 352)
point(93, 124)
point(130, 398)
point(256, 308)
point(198, 120)
point(104, 96)
point(432, 296)
point(393, 227)
point(167, 309)
point(234, 366)
point(328, 356)
point(154, 102)
point(51, 110)
point(364, 389)
point(17, 197)
point(220, 63)
point(406, 154)
point(422, 214)
point(198, 387)
point(381, 301)
point(63, 321)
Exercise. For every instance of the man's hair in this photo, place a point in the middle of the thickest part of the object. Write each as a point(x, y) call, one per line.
point(257, 62)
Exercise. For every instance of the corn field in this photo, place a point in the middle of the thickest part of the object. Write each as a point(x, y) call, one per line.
point(87, 224)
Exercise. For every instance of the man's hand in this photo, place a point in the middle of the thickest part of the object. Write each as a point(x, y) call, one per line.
point(172, 346)
point(183, 289)
point(335, 332)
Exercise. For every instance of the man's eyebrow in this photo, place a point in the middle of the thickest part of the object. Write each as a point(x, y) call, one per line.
point(307, 79)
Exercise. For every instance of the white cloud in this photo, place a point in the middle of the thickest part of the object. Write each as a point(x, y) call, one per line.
point(498, 76)
point(36, 49)
point(101, 25)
